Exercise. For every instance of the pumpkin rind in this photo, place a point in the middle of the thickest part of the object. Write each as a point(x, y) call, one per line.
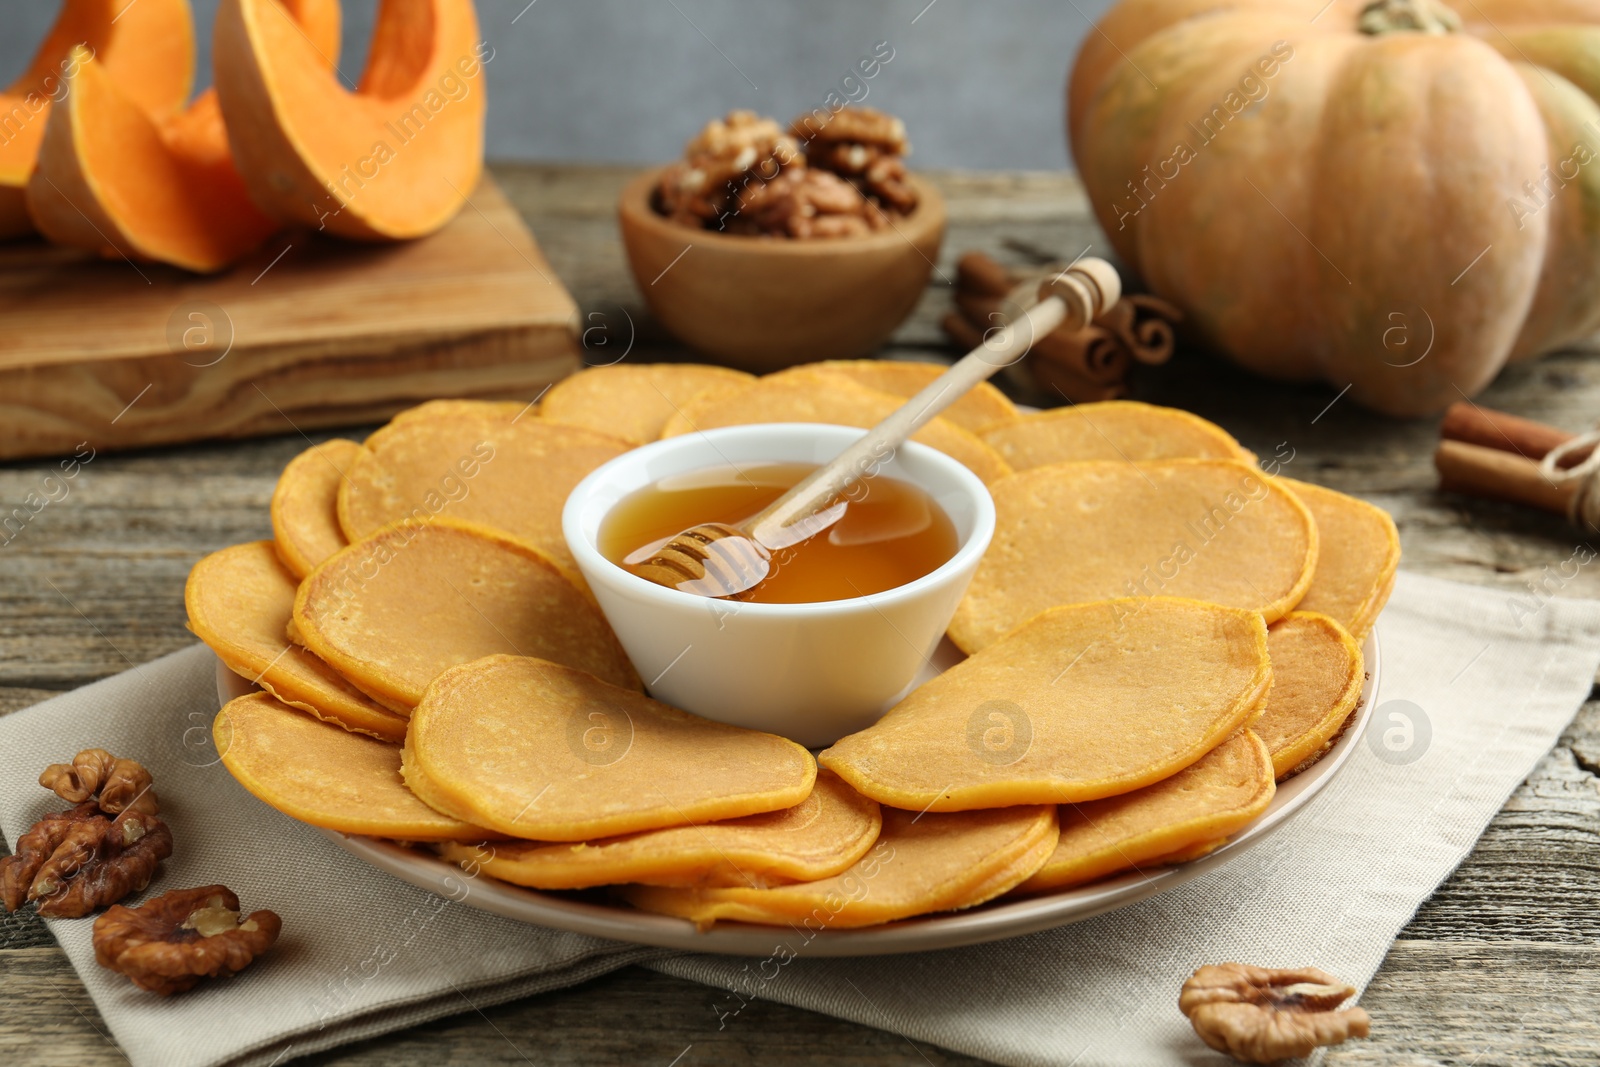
point(1357, 211)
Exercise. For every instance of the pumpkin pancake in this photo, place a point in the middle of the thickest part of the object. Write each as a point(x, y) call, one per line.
point(981, 408)
point(1109, 430)
point(817, 838)
point(1083, 702)
point(920, 864)
point(807, 395)
point(393, 611)
point(305, 505)
point(470, 461)
point(1216, 530)
point(541, 751)
point(634, 401)
point(239, 602)
point(1162, 823)
point(495, 410)
point(1357, 560)
point(323, 775)
point(1317, 672)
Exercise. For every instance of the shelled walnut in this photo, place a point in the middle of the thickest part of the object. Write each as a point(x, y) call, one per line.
point(120, 784)
point(1260, 1015)
point(745, 175)
point(867, 147)
point(73, 862)
point(168, 944)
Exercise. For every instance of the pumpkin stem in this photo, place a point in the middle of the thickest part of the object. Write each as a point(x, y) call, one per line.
point(1414, 16)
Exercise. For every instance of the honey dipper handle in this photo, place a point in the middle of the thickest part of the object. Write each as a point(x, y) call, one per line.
point(829, 482)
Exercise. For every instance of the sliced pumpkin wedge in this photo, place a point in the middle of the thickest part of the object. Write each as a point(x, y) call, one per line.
point(147, 48)
point(392, 160)
point(117, 180)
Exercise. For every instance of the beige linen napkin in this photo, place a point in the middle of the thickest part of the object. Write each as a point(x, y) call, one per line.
point(1476, 687)
point(1485, 686)
point(361, 953)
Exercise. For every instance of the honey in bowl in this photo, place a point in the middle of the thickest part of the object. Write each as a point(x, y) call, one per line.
point(892, 531)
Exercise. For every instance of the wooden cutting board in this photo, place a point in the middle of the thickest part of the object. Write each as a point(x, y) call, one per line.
point(307, 332)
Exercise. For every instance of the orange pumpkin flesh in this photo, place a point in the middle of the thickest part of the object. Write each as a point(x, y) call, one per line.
point(393, 160)
point(114, 179)
point(147, 47)
point(1348, 212)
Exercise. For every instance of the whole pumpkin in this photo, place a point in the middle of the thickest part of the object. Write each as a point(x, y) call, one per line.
point(1390, 195)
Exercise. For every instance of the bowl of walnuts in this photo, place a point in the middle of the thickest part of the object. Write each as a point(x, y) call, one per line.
point(765, 246)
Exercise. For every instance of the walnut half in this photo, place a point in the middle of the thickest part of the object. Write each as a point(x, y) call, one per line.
point(121, 784)
point(1259, 1015)
point(169, 943)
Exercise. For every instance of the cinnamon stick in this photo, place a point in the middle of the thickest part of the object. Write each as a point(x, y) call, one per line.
point(1050, 376)
point(1095, 353)
point(1487, 428)
point(1497, 474)
point(977, 273)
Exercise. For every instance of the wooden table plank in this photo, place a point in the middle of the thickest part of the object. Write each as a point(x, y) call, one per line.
point(1501, 966)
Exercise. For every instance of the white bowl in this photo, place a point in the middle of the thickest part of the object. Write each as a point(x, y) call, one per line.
point(810, 672)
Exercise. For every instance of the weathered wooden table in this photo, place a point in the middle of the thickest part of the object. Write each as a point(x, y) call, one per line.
point(1501, 966)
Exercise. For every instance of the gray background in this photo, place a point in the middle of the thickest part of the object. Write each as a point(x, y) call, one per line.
point(980, 84)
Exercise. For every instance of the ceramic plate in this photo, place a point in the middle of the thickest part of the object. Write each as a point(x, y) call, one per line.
point(991, 922)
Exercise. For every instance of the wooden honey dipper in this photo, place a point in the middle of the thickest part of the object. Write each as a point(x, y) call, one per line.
point(718, 560)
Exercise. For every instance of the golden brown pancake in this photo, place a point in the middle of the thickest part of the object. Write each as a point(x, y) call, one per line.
point(305, 505)
point(473, 462)
point(920, 864)
point(541, 751)
point(1216, 530)
point(1162, 823)
point(322, 775)
point(1083, 702)
point(981, 408)
point(1357, 560)
point(1111, 430)
point(393, 611)
point(239, 602)
point(817, 838)
point(1317, 673)
point(635, 400)
point(807, 395)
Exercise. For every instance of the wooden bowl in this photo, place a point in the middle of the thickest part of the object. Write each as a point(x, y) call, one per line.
point(763, 303)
